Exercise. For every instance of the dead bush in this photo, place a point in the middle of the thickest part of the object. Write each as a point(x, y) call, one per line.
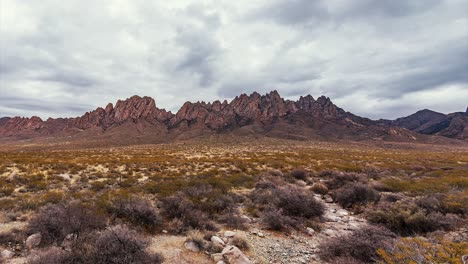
point(276, 220)
point(299, 203)
point(121, 245)
point(55, 222)
point(319, 188)
point(233, 220)
point(339, 179)
point(54, 255)
point(300, 174)
point(137, 211)
point(356, 193)
point(361, 245)
point(179, 207)
point(406, 218)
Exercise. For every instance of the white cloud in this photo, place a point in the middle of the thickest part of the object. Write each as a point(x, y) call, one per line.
point(374, 58)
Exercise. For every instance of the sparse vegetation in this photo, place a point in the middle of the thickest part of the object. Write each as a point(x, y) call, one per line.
point(178, 188)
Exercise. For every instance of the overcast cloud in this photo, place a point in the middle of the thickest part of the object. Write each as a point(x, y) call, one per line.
point(378, 59)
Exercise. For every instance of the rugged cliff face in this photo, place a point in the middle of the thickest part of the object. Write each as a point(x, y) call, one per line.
point(138, 118)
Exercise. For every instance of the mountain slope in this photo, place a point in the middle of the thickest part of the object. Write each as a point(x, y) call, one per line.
point(454, 125)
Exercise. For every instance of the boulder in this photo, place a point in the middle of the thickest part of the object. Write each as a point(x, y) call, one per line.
point(33, 241)
point(217, 257)
point(217, 241)
point(192, 246)
point(233, 255)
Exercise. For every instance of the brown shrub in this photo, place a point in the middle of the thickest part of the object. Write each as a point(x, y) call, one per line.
point(299, 203)
point(55, 222)
point(179, 207)
point(300, 174)
point(360, 245)
point(276, 220)
point(356, 193)
point(406, 218)
point(121, 245)
point(137, 211)
point(339, 179)
point(319, 188)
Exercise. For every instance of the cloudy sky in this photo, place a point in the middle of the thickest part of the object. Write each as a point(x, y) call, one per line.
point(379, 59)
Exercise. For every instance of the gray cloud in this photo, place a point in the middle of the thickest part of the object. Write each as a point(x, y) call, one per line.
point(374, 58)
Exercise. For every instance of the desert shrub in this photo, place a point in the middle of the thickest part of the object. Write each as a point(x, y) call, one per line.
point(233, 220)
point(339, 179)
point(361, 245)
point(406, 218)
point(422, 250)
point(6, 189)
point(53, 255)
point(55, 222)
point(299, 174)
point(356, 193)
point(276, 220)
point(299, 203)
point(181, 208)
point(319, 188)
point(137, 211)
point(121, 245)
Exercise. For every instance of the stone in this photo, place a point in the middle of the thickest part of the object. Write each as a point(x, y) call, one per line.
point(192, 246)
point(342, 212)
point(229, 233)
point(246, 218)
point(164, 231)
point(217, 241)
point(7, 254)
point(233, 255)
point(220, 262)
point(33, 241)
point(329, 232)
point(216, 257)
point(310, 231)
point(332, 218)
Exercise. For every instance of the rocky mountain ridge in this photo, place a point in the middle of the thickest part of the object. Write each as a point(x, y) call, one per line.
point(139, 120)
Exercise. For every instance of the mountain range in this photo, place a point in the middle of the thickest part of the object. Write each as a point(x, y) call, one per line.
point(138, 120)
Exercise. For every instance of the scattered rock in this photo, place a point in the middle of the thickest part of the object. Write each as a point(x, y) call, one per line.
point(164, 231)
point(229, 233)
point(217, 241)
point(192, 246)
point(33, 241)
point(233, 255)
point(310, 231)
point(220, 262)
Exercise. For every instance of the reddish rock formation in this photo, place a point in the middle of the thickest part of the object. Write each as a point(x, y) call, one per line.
point(137, 119)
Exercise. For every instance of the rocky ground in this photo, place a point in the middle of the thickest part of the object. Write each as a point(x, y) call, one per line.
point(265, 246)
